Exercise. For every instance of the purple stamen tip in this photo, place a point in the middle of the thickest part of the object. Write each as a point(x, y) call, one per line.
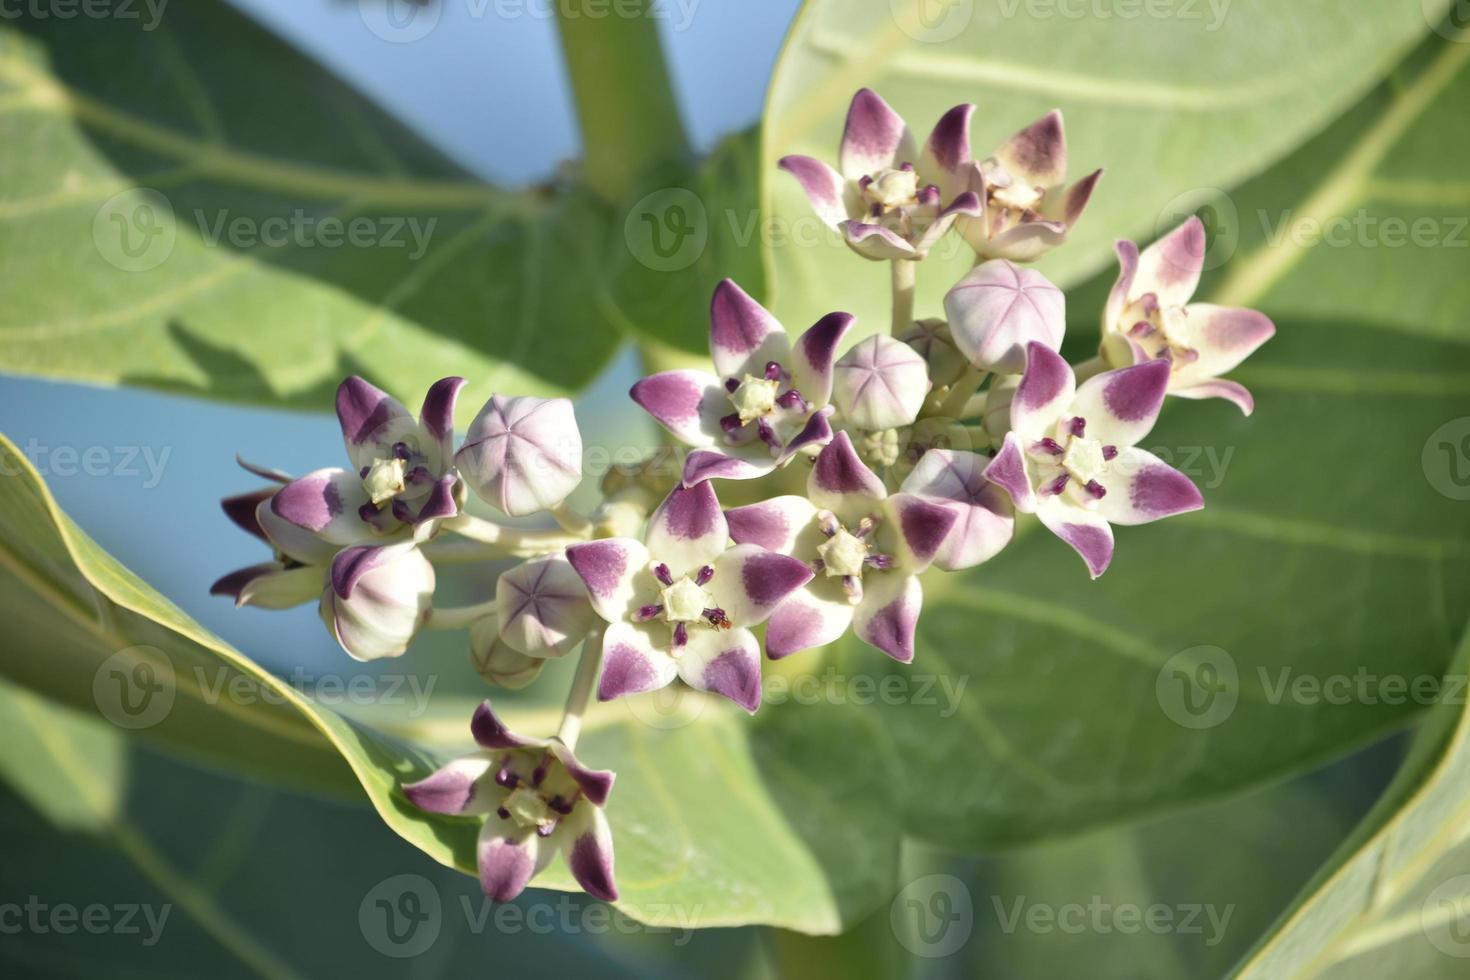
point(661, 572)
point(819, 565)
point(1110, 452)
point(1141, 329)
point(1056, 486)
point(1050, 445)
point(866, 525)
point(864, 181)
point(768, 435)
point(852, 585)
point(367, 512)
point(906, 167)
point(773, 371)
point(882, 562)
point(400, 449)
point(1079, 426)
point(681, 636)
point(731, 424)
point(929, 195)
point(545, 829)
point(706, 573)
point(503, 813)
point(645, 613)
point(560, 805)
point(1097, 490)
point(1188, 355)
point(791, 399)
point(362, 473)
point(402, 511)
point(731, 384)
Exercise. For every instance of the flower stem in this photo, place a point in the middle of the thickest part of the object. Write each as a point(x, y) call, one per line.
point(458, 617)
point(581, 692)
point(960, 393)
point(625, 102)
point(512, 541)
point(571, 521)
point(903, 294)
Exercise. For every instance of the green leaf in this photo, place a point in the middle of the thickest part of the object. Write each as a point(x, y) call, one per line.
point(247, 881)
point(1168, 105)
point(123, 189)
point(1334, 547)
point(787, 819)
point(1393, 900)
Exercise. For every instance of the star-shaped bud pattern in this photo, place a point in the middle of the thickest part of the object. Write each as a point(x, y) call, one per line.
point(934, 342)
point(880, 384)
point(522, 455)
point(999, 308)
point(865, 550)
point(538, 801)
point(1149, 316)
point(1070, 457)
point(681, 602)
point(402, 475)
point(889, 201)
point(1026, 209)
point(543, 608)
point(766, 401)
point(377, 598)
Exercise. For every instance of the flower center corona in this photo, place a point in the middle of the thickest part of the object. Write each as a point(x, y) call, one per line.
point(384, 479)
point(755, 398)
point(685, 602)
point(843, 553)
point(890, 189)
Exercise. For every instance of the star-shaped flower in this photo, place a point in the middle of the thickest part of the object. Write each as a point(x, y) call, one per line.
point(865, 547)
point(538, 800)
point(402, 474)
point(888, 201)
point(1026, 209)
point(299, 564)
point(681, 602)
point(766, 401)
point(1070, 457)
point(1149, 316)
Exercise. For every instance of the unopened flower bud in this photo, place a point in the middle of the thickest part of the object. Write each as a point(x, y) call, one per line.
point(377, 598)
point(880, 384)
point(496, 661)
point(522, 455)
point(996, 310)
point(543, 607)
point(934, 342)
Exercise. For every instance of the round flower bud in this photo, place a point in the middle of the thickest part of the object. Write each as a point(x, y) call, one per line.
point(543, 607)
point(996, 310)
point(522, 455)
point(377, 599)
point(880, 384)
point(494, 660)
point(932, 339)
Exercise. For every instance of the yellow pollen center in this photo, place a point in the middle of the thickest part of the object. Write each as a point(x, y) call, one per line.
point(384, 480)
point(527, 808)
point(843, 554)
point(685, 602)
point(755, 398)
point(1084, 459)
point(891, 189)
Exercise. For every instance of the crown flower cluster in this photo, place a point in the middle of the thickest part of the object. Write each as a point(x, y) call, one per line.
point(857, 463)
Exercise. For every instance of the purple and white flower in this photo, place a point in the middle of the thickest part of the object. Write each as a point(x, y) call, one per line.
point(1026, 209)
point(865, 548)
point(377, 598)
point(1149, 316)
point(999, 308)
point(766, 401)
point(1071, 457)
point(985, 521)
point(888, 200)
point(681, 602)
point(522, 455)
point(402, 477)
point(298, 568)
point(538, 800)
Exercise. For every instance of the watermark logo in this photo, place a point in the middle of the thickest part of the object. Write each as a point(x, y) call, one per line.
point(400, 21)
point(667, 230)
point(135, 687)
point(1199, 687)
point(41, 918)
point(1445, 917)
point(401, 916)
point(1102, 917)
point(932, 21)
point(135, 231)
point(1216, 209)
point(667, 708)
point(1446, 459)
point(933, 916)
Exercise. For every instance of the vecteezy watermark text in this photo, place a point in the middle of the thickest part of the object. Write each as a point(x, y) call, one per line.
point(124, 462)
point(64, 919)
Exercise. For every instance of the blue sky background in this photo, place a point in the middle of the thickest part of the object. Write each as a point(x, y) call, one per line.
point(489, 91)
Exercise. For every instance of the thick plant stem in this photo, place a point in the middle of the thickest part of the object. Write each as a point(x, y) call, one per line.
point(625, 101)
point(512, 541)
point(458, 617)
point(903, 295)
point(581, 693)
point(953, 406)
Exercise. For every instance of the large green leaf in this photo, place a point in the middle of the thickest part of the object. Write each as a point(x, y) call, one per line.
point(172, 228)
point(1395, 899)
point(1334, 544)
point(248, 881)
point(1198, 96)
point(787, 819)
